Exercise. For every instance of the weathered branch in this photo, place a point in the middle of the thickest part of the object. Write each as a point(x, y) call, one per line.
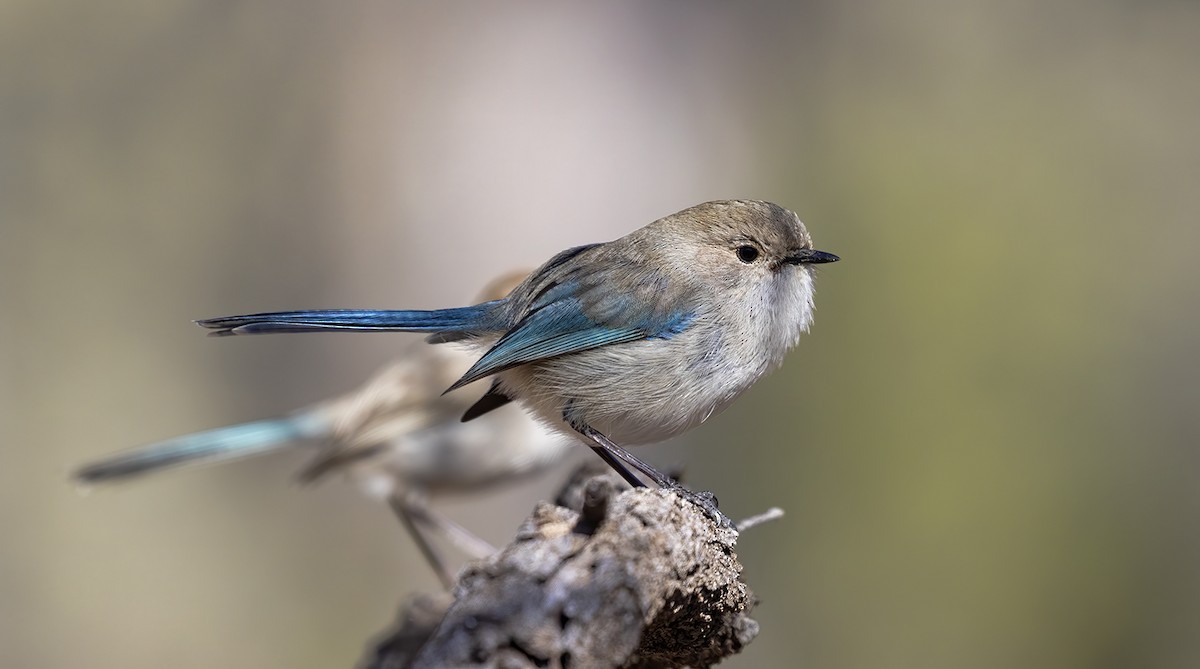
point(639, 578)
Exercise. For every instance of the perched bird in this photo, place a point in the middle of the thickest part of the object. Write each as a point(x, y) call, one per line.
point(398, 435)
point(626, 342)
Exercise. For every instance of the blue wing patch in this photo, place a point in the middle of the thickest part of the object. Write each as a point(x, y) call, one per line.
point(555, 329)
point(569, 309)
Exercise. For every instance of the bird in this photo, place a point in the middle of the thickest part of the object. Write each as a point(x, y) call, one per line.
point(398, 436)
point(626, 342)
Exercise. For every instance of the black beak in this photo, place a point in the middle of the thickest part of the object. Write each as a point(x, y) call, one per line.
point(810, 257)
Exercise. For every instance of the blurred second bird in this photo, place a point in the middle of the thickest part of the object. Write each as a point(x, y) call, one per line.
point(398, 436)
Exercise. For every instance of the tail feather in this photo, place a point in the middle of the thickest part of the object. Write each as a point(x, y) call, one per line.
point(219, 445)
point(463, 319)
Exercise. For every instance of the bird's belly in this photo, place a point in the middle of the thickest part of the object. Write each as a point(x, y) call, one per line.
point(458, 457)
point(636, 393)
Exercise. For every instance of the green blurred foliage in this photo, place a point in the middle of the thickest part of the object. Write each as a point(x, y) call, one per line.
point(985, 448)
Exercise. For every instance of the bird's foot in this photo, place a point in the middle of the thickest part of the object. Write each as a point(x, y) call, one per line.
point(706, 501)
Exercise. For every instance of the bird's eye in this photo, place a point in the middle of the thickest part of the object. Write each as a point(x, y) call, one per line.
point(747, 253)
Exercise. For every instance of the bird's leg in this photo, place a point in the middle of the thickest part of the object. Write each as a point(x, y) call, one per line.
point(413, 513)
point(614, 461)
point(403, 511)
point(463, 539)
point(613, 453)
point(608, 451)
point(611, 449)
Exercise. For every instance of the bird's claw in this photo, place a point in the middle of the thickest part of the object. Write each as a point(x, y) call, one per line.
point(707, 503)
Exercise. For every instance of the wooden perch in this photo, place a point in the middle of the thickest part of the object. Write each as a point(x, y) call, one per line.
point(604, 578)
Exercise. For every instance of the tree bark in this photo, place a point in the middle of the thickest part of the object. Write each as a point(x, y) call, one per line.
point(603, 578)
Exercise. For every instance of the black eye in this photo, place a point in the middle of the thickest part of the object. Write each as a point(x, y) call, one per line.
point(747, 254)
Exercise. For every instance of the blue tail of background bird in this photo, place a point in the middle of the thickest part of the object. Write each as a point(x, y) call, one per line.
point(219, 445)
point(477, 318)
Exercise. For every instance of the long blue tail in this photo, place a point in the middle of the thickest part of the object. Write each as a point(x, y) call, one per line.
point(478, 318)
point(219, 445)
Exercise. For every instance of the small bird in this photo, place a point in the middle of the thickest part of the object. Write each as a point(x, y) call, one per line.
point(631, 341)
point(398, 435)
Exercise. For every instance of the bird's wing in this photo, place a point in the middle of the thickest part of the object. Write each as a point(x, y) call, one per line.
point(578, 314)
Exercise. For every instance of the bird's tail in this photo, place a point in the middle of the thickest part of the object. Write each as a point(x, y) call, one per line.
point(219, 445)
point(479, 317)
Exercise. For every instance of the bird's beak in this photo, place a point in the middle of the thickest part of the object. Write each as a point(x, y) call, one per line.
point(810, 257)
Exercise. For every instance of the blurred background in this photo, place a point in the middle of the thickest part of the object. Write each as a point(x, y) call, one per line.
point(986, 447)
